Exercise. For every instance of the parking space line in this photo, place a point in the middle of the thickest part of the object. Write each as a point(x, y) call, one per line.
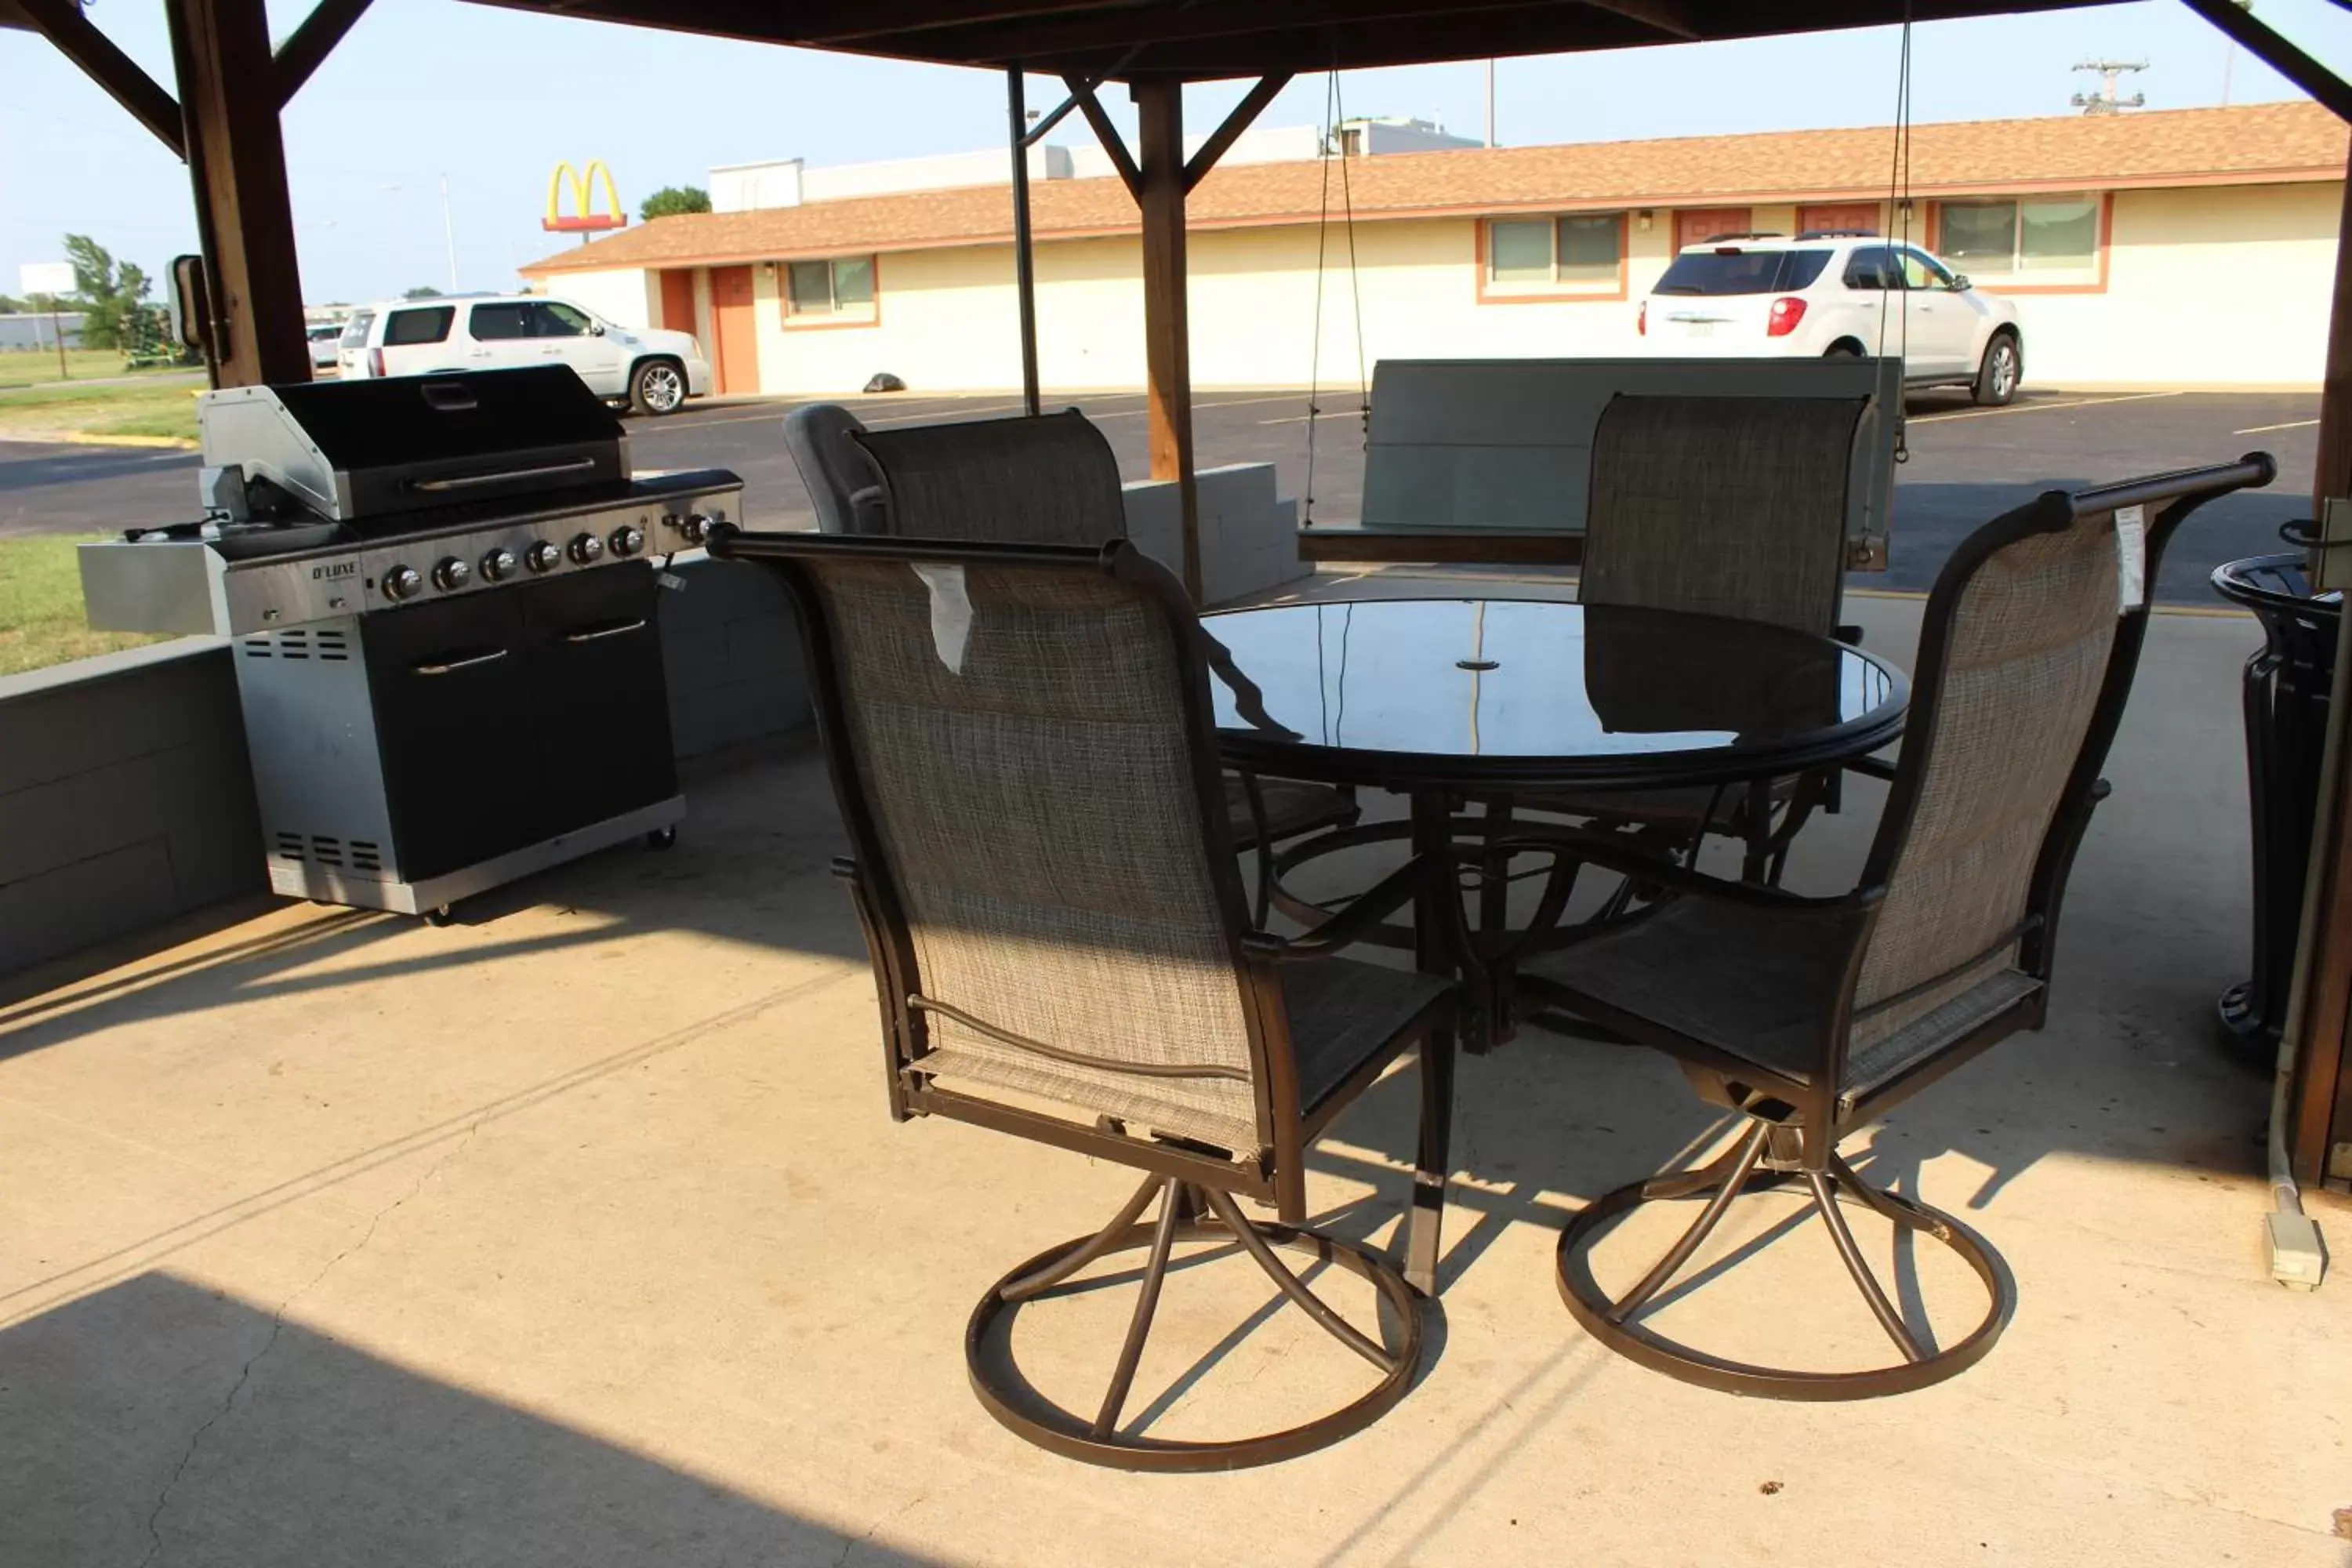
point(2267, 429)
point(2039, 407)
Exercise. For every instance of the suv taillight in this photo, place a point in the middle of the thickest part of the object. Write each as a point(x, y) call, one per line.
point(1786, 313)
point(375, 360)
point(1642, 320)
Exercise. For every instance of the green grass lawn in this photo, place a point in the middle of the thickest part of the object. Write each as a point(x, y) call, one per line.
point(165, 405)
point(40, 608)
point(32, 367)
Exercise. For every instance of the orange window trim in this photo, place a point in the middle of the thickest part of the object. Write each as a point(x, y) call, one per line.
point(1589, 296)
point(2098, 285)
point(801, 321)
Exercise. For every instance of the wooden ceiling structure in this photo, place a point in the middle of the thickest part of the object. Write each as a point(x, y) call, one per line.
point(223, 121)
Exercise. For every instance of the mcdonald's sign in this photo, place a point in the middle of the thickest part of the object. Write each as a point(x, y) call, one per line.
point(582, 219)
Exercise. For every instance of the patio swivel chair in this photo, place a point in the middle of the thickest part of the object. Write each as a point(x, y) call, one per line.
point(1719, 506)
point(1019, 740)
point(843, 490)
point(1052, 479)
point(1812, 1016)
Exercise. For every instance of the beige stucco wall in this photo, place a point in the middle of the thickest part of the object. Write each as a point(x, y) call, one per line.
point(2214, 284)
point(2221, 284)
point(626, 297)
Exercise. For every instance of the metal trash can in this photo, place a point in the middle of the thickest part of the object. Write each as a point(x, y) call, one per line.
point(2286, 692)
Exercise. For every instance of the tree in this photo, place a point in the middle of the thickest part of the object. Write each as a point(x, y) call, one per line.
point(110, 290)
point(672, 200)
point(422, 292)
point(9, 307)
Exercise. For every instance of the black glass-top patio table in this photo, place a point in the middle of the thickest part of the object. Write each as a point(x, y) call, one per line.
point(1448, 700)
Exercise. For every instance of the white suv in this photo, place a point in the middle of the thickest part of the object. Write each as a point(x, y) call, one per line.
point(653, 372)
point(1835, 292)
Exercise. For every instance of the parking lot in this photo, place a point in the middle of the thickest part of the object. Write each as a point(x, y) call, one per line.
point(1966, 463)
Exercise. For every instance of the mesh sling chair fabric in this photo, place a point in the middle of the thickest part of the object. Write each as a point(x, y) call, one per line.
point(1053, 480)
point(1814, 1015)
point(1723, 506)
point(843, 490)
point(1019, 740)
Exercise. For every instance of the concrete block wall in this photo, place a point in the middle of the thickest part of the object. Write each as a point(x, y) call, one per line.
point(125, 798)
point(1249, 535)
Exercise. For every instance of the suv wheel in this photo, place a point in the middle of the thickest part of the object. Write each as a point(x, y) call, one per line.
point(2003, 367)
point(657, 386)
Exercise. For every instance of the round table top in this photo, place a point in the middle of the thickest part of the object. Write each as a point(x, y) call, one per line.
point(1537, 693)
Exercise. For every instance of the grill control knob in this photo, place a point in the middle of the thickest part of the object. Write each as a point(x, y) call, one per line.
point(497, 566)
point(451, 574)
point(542, 557)
point(586, 549)
point(627, 540)
point(402, 583)
point(694, 525)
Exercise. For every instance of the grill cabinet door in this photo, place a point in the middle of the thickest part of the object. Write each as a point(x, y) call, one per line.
point(461, 757)
point(597, 690)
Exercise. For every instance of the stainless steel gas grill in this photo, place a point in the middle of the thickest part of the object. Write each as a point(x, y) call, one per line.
point(443, 600)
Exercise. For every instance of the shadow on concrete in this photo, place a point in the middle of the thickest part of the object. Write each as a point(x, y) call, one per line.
point(159, 1422)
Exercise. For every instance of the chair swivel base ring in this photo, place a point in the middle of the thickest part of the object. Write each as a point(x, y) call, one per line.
point(1600, 1315)
point(1029, 1415)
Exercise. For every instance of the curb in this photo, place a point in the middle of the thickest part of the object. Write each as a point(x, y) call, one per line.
point(97, 439)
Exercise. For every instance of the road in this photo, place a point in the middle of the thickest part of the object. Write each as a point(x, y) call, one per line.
point(2049, 439)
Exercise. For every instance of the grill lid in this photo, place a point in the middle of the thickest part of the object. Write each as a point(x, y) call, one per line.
point(385, 445)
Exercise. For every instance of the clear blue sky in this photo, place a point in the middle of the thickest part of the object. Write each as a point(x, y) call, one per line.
point(494, 97)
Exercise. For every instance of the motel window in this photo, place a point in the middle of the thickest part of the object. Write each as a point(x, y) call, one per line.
point(842, 287)
point(1575, 253)
point(2023, 241)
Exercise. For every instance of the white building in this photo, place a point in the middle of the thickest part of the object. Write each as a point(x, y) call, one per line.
point(2191, 246)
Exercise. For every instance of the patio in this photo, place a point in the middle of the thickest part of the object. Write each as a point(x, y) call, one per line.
point(576, 1233)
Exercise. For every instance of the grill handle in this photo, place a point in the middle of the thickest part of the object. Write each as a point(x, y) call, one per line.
point(598, 634)
point(449, 664)
point(501, 476)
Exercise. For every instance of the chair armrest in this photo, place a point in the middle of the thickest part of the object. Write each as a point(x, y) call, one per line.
point(1874, 767)
point(1614, 854)
point(1350, 925)
point(844, 868)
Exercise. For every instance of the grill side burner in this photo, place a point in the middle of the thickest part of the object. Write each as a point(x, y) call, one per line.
point(450, 662)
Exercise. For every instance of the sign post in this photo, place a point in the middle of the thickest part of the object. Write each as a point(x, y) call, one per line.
point(52, 279)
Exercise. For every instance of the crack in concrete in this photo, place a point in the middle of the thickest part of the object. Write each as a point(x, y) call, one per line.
point(851, 1543)
point(277, 1327)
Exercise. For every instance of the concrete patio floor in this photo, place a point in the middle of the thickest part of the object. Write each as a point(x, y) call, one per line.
point(576, 1234)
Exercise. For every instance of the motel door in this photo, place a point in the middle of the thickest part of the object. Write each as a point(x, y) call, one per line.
point(1693, 225)
point(678, 299)
point(735, 324)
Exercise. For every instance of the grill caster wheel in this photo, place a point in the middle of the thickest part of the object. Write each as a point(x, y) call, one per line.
point(662, 838)
point(439, 917)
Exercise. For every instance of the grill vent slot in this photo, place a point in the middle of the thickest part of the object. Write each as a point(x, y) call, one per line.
point(331, 645)
point(256, 648)
point(290, 847)
point(293, 644)
point(366, 855)
point(325, 850)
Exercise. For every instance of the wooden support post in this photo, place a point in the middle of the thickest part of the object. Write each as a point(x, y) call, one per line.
point(2319, 1121)
point(236, 163)
point(1160, 106)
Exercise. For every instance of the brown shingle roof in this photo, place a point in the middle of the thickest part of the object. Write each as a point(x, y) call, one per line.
point(2259, 142)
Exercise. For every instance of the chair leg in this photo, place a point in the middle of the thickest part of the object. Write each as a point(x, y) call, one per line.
point(1010, 1398)
point(1615, 1320)
point(1431, 1164)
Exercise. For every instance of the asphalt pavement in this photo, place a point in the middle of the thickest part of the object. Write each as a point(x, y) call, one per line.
point(1966, 464)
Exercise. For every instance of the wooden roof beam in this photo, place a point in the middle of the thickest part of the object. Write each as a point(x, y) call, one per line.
point(1675, 18)
point(62, 22)
point(2274, 50)
point(1000, 41)
point(307, 48)
point(1221, 139)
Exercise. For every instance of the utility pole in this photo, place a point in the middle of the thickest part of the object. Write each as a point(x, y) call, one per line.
point(2104, 101)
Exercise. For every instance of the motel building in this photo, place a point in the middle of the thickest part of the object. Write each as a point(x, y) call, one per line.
point(2189, 246)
